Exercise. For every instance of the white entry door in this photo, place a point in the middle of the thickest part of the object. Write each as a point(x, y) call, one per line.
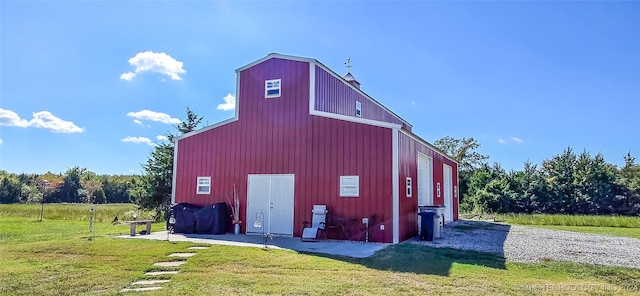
point(425, 181)
point(271, 195)
point(448, 192)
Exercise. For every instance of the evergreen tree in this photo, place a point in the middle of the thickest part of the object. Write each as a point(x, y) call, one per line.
point(628, 179)
point(559, 175)
point(10, 188)
point(153, 190)
point(69, 190)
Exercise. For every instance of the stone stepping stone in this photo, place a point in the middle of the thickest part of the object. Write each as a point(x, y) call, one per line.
point(142, 289)
point(169, 264)
point(182, 255)
point(197, 248)
point(150, 282)
point(154, 273)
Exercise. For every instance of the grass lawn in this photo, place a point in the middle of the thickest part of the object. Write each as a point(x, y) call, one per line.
point(56, 257)
point(609, 225)
point(73, 212)
point(572, 220)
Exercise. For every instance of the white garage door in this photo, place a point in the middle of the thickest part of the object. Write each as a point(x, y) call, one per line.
point(448, 192)
point(425, 180)
point(271, 195)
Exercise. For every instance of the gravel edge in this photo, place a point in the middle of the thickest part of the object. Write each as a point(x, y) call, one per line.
point(529, 244)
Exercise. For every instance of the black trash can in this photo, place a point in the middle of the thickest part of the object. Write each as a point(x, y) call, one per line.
point(426, 225)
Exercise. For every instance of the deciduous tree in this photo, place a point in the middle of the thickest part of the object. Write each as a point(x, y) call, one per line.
point(463, 151)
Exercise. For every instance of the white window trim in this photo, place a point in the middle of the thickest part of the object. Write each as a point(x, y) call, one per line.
point(349, 190)
point(266, 89)
point(358, 109)
point(208, 185)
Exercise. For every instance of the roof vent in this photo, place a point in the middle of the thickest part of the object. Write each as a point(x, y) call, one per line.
point(352, 80)
point(348, 77)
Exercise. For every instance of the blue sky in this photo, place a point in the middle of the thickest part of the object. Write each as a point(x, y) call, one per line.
point(94, 84)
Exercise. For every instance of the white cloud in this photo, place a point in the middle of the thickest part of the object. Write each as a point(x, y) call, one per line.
point(162, 138)
point(154, 116)
point(517, 140)
point(138, 122)
point(158, 62)
point(0, 141)
point(229, 103)
point(137, 140)
point(10, 118)
point(42, 119)
point(127, 76)
point(501, 141)
point(46, 120)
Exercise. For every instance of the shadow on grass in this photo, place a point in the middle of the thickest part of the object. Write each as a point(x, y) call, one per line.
point(427, 260)
point(460, 245)
point(421, 258)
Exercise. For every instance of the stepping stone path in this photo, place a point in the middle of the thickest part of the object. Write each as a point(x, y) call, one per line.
point(182, 255)
point(141, 289)
point(148, 285)
point(150, 282)
point(169, 264)
point(154, 273)
point(197, 248)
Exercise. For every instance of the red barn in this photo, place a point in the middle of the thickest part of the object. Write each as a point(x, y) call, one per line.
point(304, 135)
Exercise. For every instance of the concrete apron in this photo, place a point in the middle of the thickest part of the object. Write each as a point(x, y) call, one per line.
point(331, 247)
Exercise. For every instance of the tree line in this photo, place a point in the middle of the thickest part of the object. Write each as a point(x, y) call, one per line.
point(150, 191)
point(76, 185)
point(567, 183)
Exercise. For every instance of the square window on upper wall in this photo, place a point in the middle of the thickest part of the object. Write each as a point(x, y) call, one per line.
point(203, 185)
point(349, 186)
point(358, 109)
point(272, 88)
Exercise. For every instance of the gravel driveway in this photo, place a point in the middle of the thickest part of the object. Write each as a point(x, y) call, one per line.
point(527, 244)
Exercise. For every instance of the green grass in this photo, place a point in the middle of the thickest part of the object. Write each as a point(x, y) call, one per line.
point(75, 212)
point(609, 225)
point(55, 257)
point(572, 220)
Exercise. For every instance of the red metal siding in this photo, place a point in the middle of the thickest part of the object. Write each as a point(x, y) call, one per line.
point(408, 157)
point(278, 136)
point(334, 96)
